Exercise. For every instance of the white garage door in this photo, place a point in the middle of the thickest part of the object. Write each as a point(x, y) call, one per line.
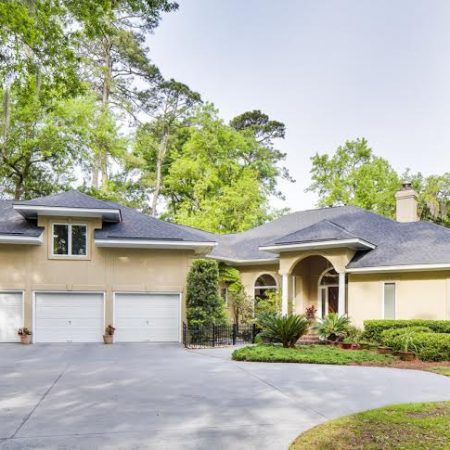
point(68, 317)
point(147, 317)
point(11, 316)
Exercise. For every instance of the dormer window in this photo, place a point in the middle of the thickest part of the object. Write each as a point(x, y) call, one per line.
point(69, 239)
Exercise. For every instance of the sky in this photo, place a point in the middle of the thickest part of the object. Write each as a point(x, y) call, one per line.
point(331, 70)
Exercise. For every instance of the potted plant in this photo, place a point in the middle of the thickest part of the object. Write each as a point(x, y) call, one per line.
point(25, 335)
point(383, 349)
point(108, 337)
point(332, 328)
point(407, 343)
point(347, 344)
point(310, 313)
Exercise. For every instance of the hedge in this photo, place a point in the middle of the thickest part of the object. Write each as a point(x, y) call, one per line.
point(432, 346)
point(389, 337)
point(374, 328)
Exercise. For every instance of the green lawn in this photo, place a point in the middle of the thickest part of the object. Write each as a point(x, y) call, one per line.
point(312, 354)
point(411, 427)
point(441, 370)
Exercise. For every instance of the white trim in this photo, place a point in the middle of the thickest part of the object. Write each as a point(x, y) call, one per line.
point(383, 284)
point(352, 243)
point(400, 268)
point(69, 243)
point(64, 211)
point(15, 239)
point(284, 294)
point(341, 294)
point(143, 243)
point(244, 262)
point(46, 291)
point(180, 299)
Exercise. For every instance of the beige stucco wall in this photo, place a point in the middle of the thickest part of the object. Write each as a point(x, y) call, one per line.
point(33, 268)
point(419, 295)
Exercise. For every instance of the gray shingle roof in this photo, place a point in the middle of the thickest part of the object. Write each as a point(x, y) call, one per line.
point(324, 230)
point(13, 223)
point(133, 225)
point(136, 225)
point(396, 243)
point(69, 199)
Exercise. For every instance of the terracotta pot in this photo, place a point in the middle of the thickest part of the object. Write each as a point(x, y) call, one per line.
point(346, 345)
point(108, 338)
point(384, 350)
point(407, 356)
point(25, 339)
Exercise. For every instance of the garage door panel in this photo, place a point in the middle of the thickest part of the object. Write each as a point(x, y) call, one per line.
point(11, 316)
point(69, 317)
point(147, 317)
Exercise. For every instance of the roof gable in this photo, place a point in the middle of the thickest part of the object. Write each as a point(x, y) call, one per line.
point(325, 230)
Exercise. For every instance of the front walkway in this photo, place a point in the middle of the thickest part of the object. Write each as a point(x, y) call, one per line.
point(164, 397)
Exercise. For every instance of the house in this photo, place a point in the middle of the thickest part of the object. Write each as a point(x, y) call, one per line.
point(71, 264)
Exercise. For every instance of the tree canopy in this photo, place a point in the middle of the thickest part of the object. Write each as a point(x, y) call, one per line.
point(354, 175)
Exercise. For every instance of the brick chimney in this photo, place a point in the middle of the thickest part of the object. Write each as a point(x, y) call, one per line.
point(406, 210)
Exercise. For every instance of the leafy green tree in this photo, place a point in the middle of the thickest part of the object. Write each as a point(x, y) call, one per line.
point(353, 175)
point(42, 137)
point(239, 303)
point(170, 106)
point(213, 183)
point(115, 60)
point(434, 196)
point(204, 305)
point(35, 36)
point(264, 155)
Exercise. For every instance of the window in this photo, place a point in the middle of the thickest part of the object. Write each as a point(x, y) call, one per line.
point(224, 295)
point(264, 285)
point(389, 300)
point(69, 240)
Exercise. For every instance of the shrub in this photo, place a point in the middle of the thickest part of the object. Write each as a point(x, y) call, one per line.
point(285, 329)
point(388, 336)
point(333, 327)
point(374, 328)
point(270, 304)
point(432, 346)
point(353, 334)
point(204, 305)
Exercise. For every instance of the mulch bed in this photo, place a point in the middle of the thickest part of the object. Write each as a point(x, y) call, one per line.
point(415, 365)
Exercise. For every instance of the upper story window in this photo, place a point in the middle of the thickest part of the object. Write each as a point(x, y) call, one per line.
point(69, 239)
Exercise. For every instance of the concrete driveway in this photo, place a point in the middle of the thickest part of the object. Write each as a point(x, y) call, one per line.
point(164, 397)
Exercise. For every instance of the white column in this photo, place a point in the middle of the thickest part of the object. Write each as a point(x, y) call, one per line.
point(341, 299)
point(284, 294)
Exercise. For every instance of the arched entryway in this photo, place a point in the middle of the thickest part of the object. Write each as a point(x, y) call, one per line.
point(315, 281)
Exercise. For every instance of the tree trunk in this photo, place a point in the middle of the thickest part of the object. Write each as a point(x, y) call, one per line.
point(162, 150)
point(100, 164)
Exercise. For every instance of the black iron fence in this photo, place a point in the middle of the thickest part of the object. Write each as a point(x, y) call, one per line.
point(200, 336)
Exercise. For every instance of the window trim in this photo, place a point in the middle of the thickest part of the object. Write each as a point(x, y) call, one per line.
point(69, 243)
point(383, 286)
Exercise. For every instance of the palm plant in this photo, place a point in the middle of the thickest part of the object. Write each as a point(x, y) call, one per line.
point(406, 341)
point(332, 327)
point(285, 329)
